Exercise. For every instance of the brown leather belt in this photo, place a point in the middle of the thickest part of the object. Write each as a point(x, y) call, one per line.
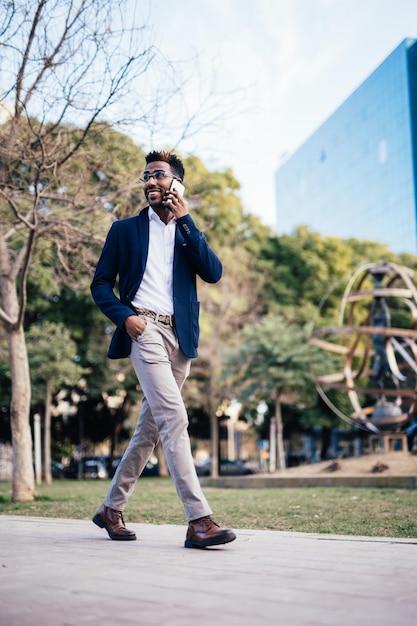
point(168, 320)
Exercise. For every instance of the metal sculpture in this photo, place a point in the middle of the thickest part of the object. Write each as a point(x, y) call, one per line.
point(375, 342)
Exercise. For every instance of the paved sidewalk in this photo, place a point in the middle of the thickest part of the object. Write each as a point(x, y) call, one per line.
point(57, 572)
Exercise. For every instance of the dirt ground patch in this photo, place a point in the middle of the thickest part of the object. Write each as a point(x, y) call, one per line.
point(388, 464)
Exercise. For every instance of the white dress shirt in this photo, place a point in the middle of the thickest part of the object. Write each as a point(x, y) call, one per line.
point(155, 291)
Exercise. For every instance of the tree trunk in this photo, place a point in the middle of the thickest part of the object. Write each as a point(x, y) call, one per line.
point(38, 448)
point(214, 428)
point(280, 437)
point(47, 435)
point(23, 488)
point(162, 464)
point(273, 445)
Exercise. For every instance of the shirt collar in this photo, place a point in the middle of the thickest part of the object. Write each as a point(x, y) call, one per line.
point(153, 215)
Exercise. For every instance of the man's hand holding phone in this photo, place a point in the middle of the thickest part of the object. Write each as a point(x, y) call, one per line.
point(176, 184)
point(173, 199)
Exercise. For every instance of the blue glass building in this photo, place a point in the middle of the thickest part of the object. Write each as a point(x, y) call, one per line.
point(356, 176)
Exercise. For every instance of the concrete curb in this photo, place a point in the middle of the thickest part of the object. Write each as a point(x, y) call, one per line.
point(257, 481)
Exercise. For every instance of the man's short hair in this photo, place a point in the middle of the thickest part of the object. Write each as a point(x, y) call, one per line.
point(176, 164)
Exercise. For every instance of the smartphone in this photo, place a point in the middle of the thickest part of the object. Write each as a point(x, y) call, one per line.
point(178, 186)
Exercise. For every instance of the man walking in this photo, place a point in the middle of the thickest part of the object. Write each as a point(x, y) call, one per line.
point(156, 257)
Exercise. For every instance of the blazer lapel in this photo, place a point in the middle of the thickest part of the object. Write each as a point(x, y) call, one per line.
point(143, 228)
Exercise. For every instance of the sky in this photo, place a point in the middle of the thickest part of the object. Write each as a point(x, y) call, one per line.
point(279, 68)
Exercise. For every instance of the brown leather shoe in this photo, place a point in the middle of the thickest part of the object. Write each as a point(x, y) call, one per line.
point(113, 522)
point(203, 532)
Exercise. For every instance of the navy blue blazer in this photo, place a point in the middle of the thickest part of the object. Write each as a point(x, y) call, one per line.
point(124, 257)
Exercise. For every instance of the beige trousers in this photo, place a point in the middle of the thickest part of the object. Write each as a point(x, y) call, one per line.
point(161, 369)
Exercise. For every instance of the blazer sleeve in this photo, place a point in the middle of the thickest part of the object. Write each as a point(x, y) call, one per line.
point(205, 262)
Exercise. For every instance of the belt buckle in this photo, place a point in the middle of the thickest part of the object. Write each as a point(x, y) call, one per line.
point(163, 319)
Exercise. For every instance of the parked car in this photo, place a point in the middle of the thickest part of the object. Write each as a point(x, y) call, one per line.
point(71, 470)
point(227, 468)
point(99, 467)
point(293, 459)
point(151, 468)
point(57, 470)
point(95, 468)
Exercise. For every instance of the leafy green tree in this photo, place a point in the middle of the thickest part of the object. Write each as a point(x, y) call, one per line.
point(53, 363)
point(273, 363)
point(306, 268)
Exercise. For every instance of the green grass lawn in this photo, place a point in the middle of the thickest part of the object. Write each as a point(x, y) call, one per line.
point(330, 510)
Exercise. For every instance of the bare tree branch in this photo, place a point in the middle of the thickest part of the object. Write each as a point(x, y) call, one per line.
point(20, 104)
point(69, 69)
